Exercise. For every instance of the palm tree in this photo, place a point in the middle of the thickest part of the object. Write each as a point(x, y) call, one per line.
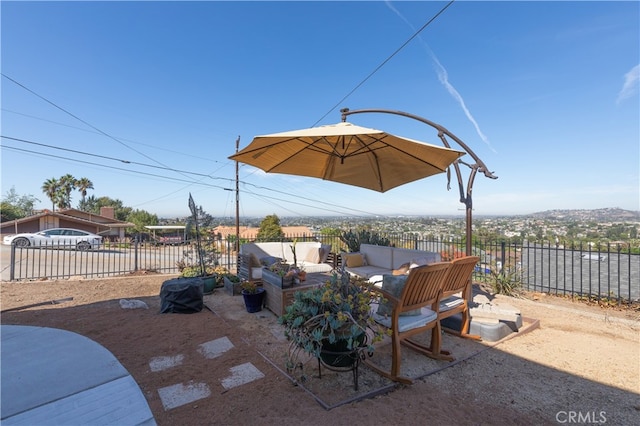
point(67, 184)
point(82, 185)
point(61, 199)
point(51, 188)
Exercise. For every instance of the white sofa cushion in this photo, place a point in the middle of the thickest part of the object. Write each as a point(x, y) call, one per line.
point(381, 256)
point(384, 260)
point(419, 257)
point(282, 250)
point(368, 271)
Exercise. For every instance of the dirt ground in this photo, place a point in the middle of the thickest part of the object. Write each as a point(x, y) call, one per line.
point(581, 363)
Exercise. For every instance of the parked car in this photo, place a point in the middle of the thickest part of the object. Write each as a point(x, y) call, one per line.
point(55, 237)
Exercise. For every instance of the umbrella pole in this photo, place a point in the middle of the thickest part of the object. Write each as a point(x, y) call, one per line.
point(237, 245)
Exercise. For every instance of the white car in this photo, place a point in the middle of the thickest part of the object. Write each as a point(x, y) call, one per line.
point(70, 238)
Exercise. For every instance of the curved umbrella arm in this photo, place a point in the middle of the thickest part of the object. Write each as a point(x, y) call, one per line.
point(478, 166)
point(441, 131)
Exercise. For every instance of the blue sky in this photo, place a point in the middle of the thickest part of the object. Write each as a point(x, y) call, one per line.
point(545, 93)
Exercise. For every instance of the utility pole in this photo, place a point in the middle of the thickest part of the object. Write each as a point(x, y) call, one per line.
point(237, 245)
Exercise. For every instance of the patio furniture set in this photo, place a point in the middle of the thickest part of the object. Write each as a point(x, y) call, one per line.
point(418, 291)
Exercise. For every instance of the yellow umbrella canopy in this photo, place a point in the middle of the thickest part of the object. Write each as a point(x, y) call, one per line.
point(348, 154)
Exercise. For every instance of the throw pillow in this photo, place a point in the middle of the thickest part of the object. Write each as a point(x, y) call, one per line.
point(402, 269)
point(394, 284)
point(313, 256)
point(354, 260)
point(324, 253)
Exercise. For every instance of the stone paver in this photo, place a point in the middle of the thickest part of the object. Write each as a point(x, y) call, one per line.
point(215, 348)
point(241, 374)
point(180, 394)
point(160, 363)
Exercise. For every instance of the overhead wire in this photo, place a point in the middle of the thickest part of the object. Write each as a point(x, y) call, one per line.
point(184, 173)
point(80, 119)
point(415, 34)
point(113, 167)
point(183, 153)
point(111, 158)
point(298, 196)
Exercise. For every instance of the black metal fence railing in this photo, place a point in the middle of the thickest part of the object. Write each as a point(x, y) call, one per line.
point(611, 271)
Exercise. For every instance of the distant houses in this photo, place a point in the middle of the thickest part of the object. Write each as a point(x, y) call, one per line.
point(250, 233)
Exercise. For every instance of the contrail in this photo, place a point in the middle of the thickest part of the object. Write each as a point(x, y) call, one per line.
point(630, 87)
point(443, 76)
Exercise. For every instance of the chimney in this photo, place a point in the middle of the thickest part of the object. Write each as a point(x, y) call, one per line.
point(109, 212)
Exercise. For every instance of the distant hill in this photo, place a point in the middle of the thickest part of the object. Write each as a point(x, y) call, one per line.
point(597, 215)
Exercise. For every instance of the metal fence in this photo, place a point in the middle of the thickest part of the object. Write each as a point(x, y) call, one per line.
point(611, 272)
point(106, 260)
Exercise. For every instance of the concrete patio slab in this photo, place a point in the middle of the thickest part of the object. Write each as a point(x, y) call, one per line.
point(52, 376)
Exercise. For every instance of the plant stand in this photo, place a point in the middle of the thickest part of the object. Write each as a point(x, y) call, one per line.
point(341, 361)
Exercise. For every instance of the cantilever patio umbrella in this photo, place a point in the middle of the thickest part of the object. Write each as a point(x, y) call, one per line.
point(348, 154)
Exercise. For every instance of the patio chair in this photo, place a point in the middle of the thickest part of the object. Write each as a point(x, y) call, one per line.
point(422, 291)
point(454, 291)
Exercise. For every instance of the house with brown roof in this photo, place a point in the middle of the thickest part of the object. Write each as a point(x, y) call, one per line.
point(250, 234)
point(104, 224)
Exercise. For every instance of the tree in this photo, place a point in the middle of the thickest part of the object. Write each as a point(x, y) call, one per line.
point(92, 205)
point(9, 212)
point(15, 206)
point(82, 185)
point(203, 219)
point(67, 184)
point(142, 218)
point(51, 188)
point(270, 229)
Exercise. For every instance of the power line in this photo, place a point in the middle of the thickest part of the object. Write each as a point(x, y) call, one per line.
point(80, 119)
point(165, 167)
point(110, 158)
point(97, 133)
point(191, 182)
point(113, 167)
point(384, 62)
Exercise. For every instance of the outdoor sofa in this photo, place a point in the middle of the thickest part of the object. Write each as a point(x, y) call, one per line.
point(311, 256)
point(372, 261)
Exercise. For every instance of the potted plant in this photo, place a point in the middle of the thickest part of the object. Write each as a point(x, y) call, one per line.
point(332, 323)
point(253, 296)
point(232, 283)
point(301, 273)
point(280, 275)
point(205, 267)
point(195, 271)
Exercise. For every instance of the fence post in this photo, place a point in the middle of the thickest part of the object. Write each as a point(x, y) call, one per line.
point(12, 268)
point(135, 255)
